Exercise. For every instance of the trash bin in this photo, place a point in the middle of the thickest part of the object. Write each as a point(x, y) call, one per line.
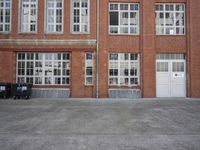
point(5, 89)
point(21, 90)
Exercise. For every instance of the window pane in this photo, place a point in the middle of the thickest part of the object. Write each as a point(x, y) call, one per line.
point(124, 18)
point(178, 66)
point(114, 18)
point(162, 67)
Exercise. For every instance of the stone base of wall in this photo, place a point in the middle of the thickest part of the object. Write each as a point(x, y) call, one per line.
point(125, 93)
point(50, 93)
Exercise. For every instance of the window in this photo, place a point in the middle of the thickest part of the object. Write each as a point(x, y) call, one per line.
point(43, 68)
point(170, 19)
point(124, 18)
point(124, 69)
point(5, 15)
point(178, 66)
point(28, 15)
point(170, 56)
point(162, 67)
point(80, 16)
point(89, 68)
point(54, 16)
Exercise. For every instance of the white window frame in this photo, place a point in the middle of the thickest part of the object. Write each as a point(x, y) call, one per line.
point(129, 61)
point(4, 15)
point(89, 63)
point(80, 19)
point(174, 27)
point(129, 25)
point(44, 61)
point(54, 23)
point(29, 17)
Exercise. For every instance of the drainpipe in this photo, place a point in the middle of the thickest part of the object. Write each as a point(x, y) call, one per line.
point(97, 49)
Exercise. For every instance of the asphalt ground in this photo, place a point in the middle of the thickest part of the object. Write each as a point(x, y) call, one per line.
point(104, 124)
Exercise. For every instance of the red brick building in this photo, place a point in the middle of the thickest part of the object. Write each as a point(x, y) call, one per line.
point(102, 48)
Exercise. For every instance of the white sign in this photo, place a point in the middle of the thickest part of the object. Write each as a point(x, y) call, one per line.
point(2, 88)
point(178, 75)
point(171, 31)
point(24, 88)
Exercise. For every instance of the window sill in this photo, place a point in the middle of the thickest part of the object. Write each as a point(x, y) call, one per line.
point(170, 35)
point(27, 33)
point(50, 86)
point(136, 35)
point(80, 33)
point(54, 33)
point(124, 86)
point(91, 85)
point(5, 32)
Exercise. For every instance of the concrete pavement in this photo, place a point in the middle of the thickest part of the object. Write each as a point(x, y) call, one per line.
point(90, 124)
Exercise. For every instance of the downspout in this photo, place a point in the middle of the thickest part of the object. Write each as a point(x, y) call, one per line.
point(188, 57)
point(97, 49)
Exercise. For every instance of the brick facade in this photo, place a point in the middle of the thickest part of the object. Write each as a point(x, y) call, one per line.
point(147, 44)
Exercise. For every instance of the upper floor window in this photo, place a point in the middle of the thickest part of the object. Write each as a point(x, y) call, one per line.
point(54, 16)
point(124, 18)
point(170, 19)
point(28, 16)
point(80, 16)
point(5, 15)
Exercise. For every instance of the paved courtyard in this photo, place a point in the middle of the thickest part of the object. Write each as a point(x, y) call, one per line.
point(145, 124)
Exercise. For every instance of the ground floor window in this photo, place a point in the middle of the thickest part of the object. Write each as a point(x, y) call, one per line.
point(89, 68)
point(124, 69)
point(43, 68)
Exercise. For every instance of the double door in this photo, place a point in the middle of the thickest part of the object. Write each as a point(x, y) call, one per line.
point(171, 78)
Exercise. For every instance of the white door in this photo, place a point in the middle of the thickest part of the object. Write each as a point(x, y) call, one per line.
point(178, 79)
point(170, 78)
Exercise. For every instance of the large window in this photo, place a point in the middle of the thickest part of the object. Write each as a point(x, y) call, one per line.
point(5, 15)
point(28, 15)
point(43, 68)
point(170, 19)
point(89, 68)
point(124, 69)
point(54, 16)
point(124, 18)
point(80, 16)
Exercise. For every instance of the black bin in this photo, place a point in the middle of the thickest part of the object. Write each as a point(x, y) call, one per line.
point(5, 89)
point(21, 90)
